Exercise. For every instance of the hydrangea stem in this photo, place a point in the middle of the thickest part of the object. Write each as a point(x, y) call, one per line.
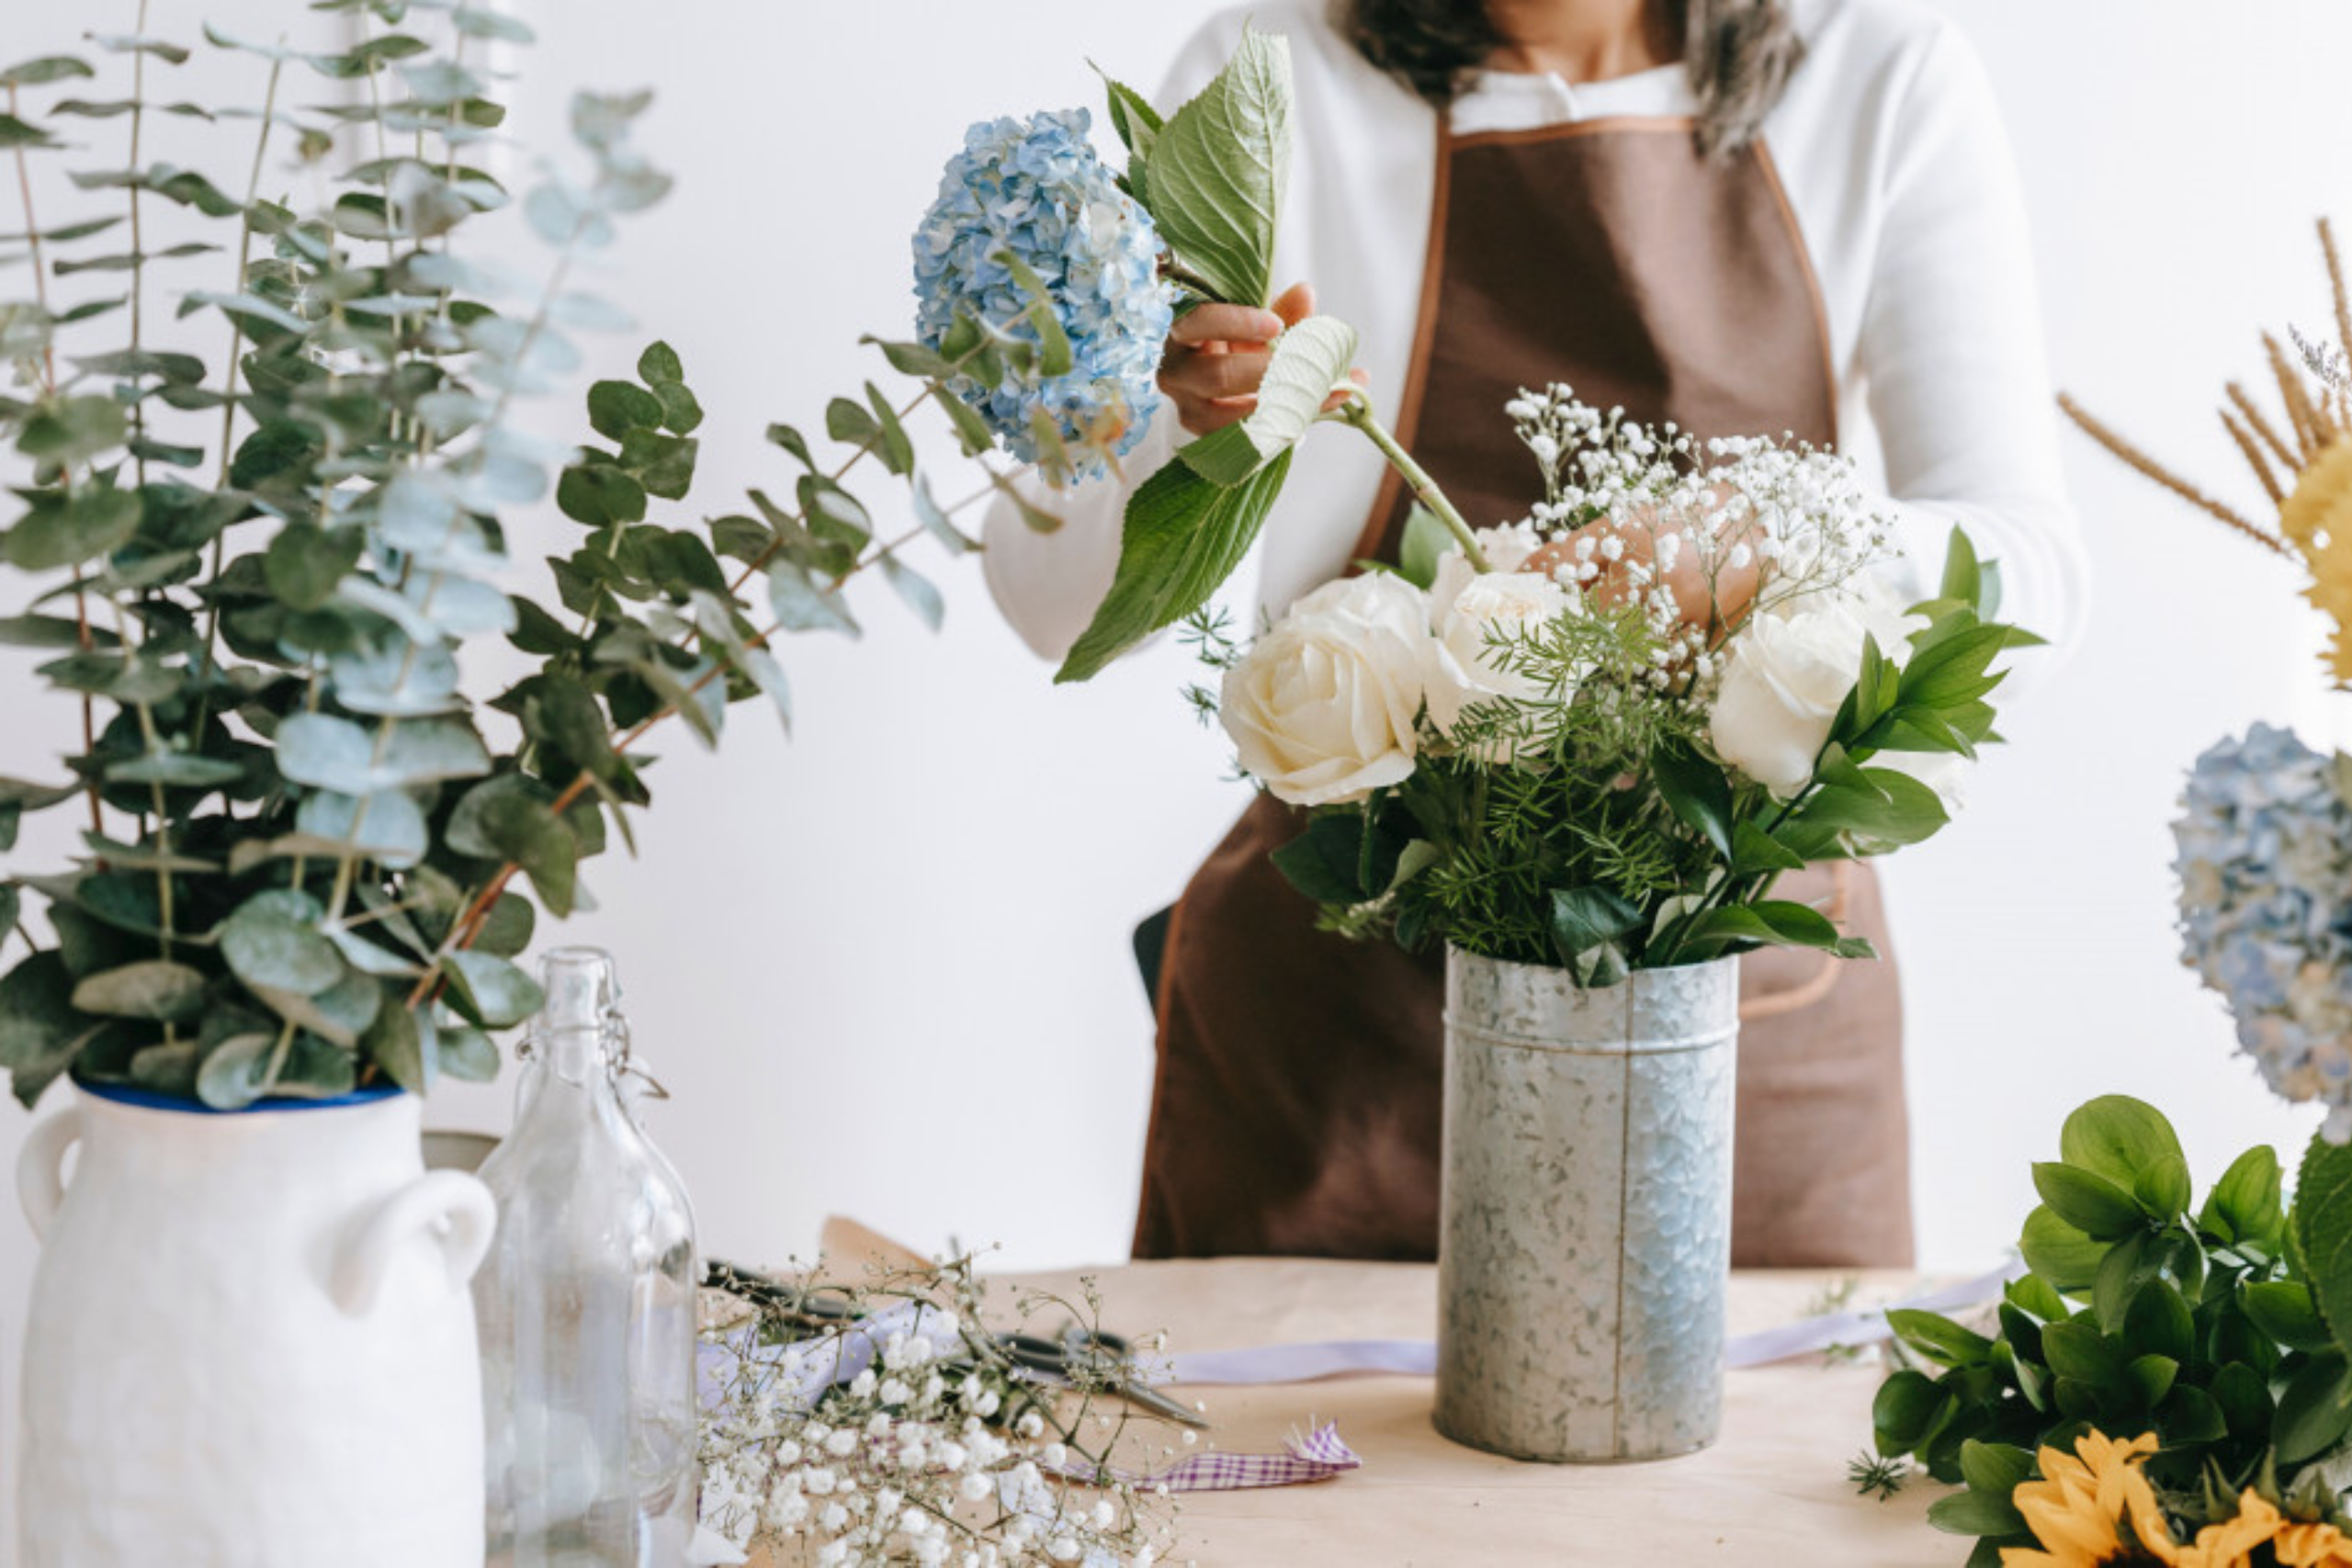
point(1358, 412)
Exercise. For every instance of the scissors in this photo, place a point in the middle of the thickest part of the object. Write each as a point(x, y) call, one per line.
point(814, 1307)
point(1106, 1359)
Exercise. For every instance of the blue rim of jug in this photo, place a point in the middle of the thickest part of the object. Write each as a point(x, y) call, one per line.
point(148, 1100)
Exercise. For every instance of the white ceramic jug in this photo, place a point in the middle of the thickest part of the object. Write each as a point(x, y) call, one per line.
point(251, 1341)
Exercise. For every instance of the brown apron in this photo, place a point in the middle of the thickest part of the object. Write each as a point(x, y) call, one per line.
point(1297, 1101)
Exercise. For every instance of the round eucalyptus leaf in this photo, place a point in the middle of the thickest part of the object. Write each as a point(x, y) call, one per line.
point(155, 987)
point(269, 950)
point(489, 991)
point(235, 1072)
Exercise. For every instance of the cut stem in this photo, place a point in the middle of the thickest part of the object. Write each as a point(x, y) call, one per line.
point(1358, 412)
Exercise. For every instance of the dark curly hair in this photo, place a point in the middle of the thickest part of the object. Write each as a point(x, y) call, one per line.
point(1738, 53)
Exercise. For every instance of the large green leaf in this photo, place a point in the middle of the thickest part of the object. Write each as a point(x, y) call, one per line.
point(1217, 170)
point(2323, 1222)
point(1184, 535)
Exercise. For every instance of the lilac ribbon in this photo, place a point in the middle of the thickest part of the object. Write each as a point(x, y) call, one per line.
point(1418, 1357)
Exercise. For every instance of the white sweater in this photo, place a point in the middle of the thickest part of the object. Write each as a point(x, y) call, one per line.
point(1893, 153)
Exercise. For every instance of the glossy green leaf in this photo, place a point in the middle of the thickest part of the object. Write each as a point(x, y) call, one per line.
point(2118, 1137)
point(2092, 1204)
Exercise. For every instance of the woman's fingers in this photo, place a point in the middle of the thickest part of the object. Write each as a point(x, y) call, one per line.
point(1200, 416)
point(1215, 360)
point(1235, 373)
point(1224, 323)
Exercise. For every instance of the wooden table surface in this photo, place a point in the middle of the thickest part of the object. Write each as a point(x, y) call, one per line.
point(1772, 1490)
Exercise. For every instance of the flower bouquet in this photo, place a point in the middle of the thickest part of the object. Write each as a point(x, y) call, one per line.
point(1597, 738)
point(1581, 751)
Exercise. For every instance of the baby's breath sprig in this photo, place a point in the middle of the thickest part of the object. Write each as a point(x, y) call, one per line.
point(939, 1448)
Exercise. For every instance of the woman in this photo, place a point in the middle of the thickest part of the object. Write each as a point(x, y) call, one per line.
point(1746, 216)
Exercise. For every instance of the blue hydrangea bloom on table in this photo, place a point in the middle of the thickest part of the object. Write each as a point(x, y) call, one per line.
point(1034, 190)
point(2266, 910)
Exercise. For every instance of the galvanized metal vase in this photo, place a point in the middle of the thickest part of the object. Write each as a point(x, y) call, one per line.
point(1586, 1239)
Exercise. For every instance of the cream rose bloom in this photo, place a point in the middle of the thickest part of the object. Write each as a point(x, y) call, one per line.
point(1787, 674)
point(1322, 708)
point(1467, 610)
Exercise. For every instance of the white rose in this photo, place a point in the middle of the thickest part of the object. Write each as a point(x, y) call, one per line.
point(1471, 615)
point(1322, 708)
point(1786, 676)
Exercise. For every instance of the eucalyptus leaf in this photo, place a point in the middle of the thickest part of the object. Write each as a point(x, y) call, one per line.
point(153, 989)
point(489, 991)
point(269, 948)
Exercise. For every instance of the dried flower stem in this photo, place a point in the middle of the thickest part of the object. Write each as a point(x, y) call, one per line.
point(2336, 291)
point(2257, 422)
point(2150, 468)
point(2255, 458)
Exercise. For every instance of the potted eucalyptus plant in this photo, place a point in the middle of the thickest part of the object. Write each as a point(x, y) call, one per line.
point(261, 575)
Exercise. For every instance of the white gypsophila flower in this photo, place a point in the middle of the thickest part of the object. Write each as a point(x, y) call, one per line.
point(1324, 707)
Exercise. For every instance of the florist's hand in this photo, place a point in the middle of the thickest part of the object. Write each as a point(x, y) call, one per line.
point(1217, 357)
point(1712, 606)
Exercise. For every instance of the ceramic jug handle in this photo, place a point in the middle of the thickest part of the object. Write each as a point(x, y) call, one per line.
point(448, 1205)
point(40, 1168)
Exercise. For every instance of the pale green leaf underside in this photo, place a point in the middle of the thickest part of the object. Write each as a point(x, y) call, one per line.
point(1310, 361)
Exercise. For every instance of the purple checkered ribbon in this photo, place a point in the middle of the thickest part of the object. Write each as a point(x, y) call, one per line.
point(1318, 1456)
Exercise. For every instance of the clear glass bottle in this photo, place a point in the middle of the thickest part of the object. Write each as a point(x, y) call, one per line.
point(585, 1305)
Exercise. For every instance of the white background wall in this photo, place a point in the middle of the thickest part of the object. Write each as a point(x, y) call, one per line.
point(885, 967)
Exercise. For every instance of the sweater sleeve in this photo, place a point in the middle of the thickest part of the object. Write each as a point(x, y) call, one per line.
point(1951, 352)
point(1048, 584)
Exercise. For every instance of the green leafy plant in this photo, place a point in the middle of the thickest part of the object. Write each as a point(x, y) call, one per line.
point(256, 576)
point(2140, 1313)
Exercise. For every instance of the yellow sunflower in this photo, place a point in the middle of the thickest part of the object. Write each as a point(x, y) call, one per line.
point(2093, 1509)
point(2230, 1543)
point(2311, 1546)
point(2316, 518)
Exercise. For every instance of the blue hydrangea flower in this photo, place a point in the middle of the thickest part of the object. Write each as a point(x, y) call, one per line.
point(1035, 189)
point(2266, 910)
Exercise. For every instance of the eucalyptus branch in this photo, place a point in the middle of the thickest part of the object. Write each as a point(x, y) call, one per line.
point(33, 242)
point(49, 389)
point(229, 384)
point(933, 385)
point(137, 246)
point(468, 927)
